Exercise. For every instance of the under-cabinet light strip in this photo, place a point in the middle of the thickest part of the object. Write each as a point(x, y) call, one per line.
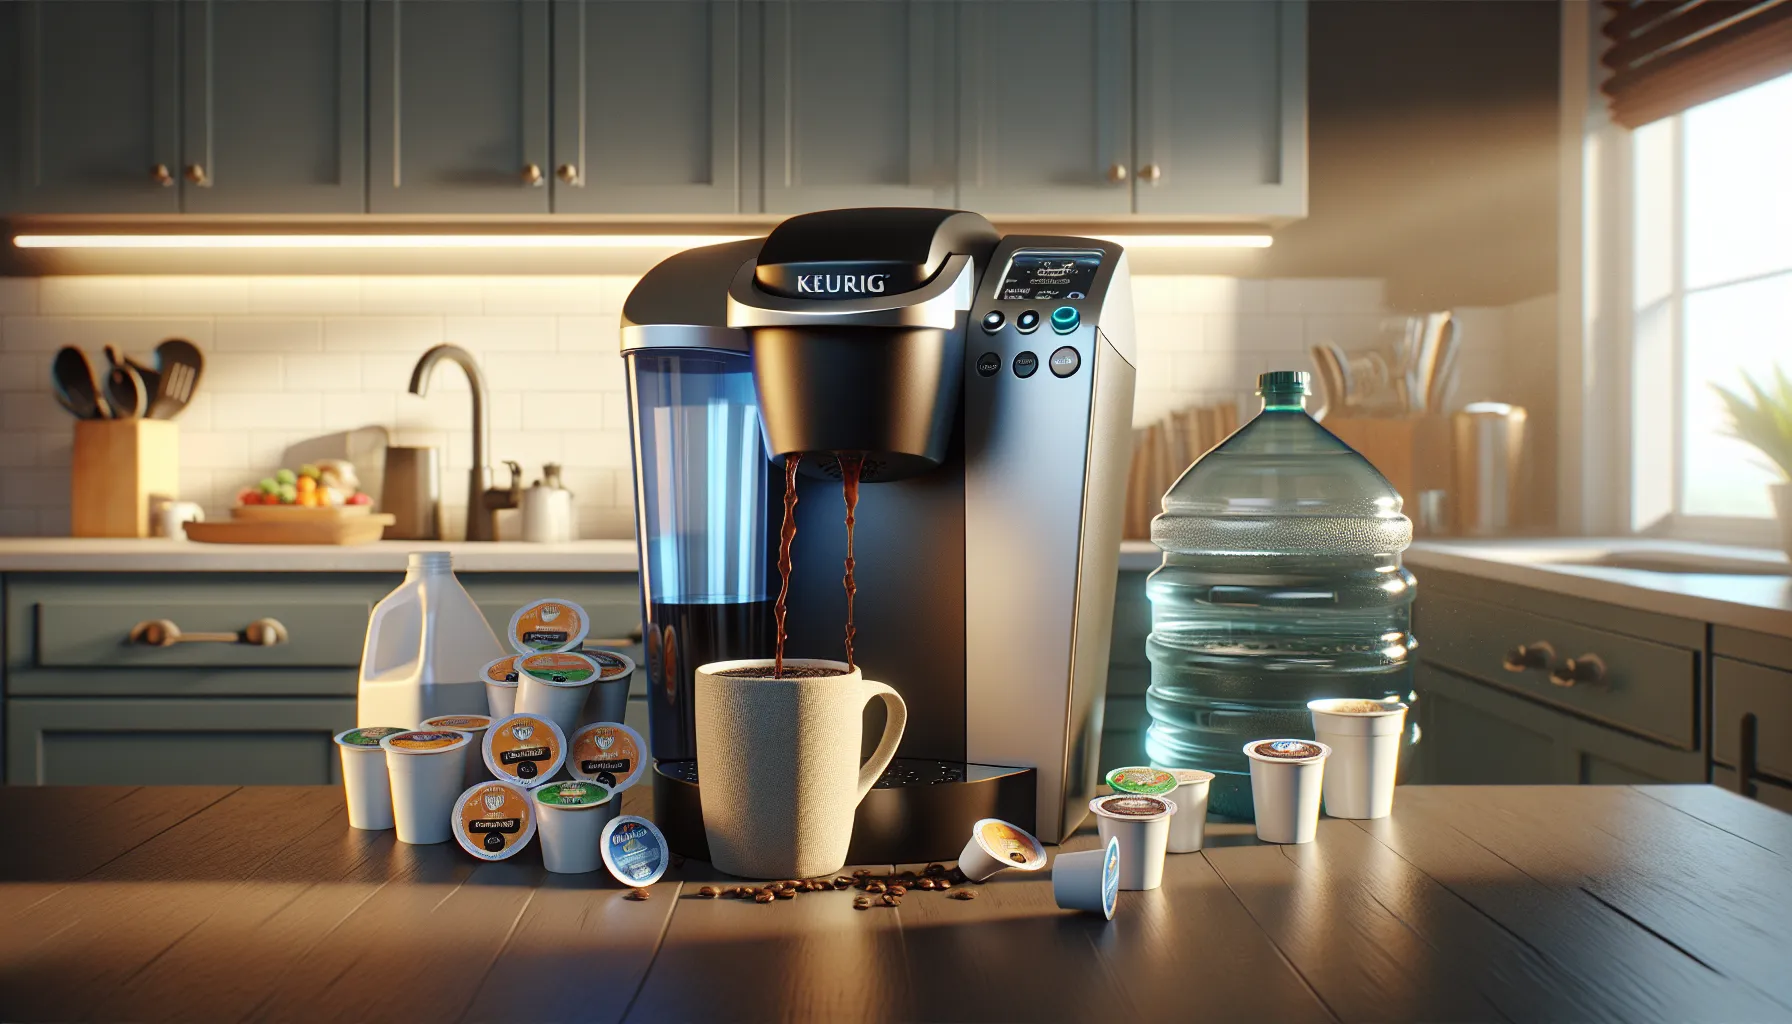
point(520, 241)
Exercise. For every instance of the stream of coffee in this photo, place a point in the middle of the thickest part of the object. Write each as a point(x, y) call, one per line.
point(850, 466)
point(786, 534)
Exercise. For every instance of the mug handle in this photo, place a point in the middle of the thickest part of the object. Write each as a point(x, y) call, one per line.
point(895, 721)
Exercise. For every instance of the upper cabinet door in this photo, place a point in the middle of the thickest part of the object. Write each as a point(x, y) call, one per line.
point(276, 106)
point(1222, 108)
point(458, 119)
point(98, 108)
point(857, 104)
point(1046, 110)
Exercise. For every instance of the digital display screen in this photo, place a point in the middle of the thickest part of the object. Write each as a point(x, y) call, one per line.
point(1035, 274)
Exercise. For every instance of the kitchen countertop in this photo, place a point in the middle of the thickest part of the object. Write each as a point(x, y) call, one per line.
point(67, 554)
point(1471, 903)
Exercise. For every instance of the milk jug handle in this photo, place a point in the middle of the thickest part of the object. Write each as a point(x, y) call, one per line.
point(895, 721)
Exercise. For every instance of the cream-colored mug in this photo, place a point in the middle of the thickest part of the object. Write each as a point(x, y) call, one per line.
point(778, 763)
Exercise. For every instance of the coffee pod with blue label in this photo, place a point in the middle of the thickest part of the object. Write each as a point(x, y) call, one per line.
point(493, 820)
point(1089, 880)
point(634, 851)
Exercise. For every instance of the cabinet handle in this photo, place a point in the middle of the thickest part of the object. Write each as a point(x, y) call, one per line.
point(1588, 668)
point(1117, 174)
point(196, 174)
point(1150, 173)
point(1538, 657)
point(164, 633)
point(161, 175)
point(532, 175)
point(568, 173)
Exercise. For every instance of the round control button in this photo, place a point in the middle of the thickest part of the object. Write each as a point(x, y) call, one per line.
point(989, 364)
point(1065, 361)
point(993, 321)
point(1025, 365)
point(1065, 319)
point(1027, 322)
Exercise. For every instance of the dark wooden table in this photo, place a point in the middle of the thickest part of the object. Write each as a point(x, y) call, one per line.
point(1471, 903)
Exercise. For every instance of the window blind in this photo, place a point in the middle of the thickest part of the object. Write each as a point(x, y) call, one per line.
point(1668, 55)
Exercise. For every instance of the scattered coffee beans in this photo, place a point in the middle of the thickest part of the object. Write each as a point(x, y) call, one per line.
point(892, 900)
point(637, 894)
point(962, 894)
point(934, 869)
point(708, 892)
point(861, 873)
point(942, 884)
point(861, 903)
point(787, 894)
point(899, 890)
point(763, 896)
point(843, 882)
point(874, 887)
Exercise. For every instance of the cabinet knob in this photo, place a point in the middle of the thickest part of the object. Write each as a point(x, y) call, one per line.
point(1117, 174)
point(1588, 668)
point(1150, 173)
point(532, 174)
point(161, 175)
point(196, 174)
point(568, 173)
point(1537, 657)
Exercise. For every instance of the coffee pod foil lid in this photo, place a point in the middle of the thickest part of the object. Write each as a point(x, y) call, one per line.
point(525, 749)
point(548, 625)
point(367, 735)
point(634, 850)
point(559, 668)
point(608, 753)
point(1191, 776)
point(493, 820)
point(502, 671)
point(1355, 706)
point(573, 795)
point(1142, 781)
point(1110, 877)
point(465, 723)
point(1130, 807)
point(1010, 844)
point(1288, 751)
point(425, 741)
point(610, 665)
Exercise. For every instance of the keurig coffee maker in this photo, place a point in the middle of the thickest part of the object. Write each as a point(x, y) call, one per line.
point(986, 383)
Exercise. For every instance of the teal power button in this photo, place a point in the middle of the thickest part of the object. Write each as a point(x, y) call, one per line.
point(1065, 319)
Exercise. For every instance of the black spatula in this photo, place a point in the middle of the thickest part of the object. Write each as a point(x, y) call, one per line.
point(180, 364)
point(76, 389)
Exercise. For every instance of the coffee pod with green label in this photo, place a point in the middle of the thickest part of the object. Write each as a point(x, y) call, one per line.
point(525, 749)
point(427, 766)
point(573, 816)
point(1287, 779)
point(550, 624)
point(1188, 826)
point(1141, 781)
point(634, 851)
point(996, 845)
point(364, 777)
point(1142, 824)
point(555, 685)
point(1088, 880)
point(493, 820)
point(501, 685)
point(473, 725)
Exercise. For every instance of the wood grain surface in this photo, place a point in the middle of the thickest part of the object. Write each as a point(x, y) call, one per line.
point(1500, 903)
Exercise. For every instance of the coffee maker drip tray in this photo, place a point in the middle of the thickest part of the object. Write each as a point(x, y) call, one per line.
point(920, 810)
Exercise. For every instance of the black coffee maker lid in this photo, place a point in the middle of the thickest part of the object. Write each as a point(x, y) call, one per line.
point(845, 254)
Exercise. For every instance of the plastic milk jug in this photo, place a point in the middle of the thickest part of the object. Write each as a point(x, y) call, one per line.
point(427, 644)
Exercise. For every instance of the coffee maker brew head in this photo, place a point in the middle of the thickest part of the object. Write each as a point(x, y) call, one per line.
point(856, 325)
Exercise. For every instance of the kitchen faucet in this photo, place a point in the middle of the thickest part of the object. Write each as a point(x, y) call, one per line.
point(483, 500)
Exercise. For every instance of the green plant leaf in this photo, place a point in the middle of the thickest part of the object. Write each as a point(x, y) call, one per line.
point(1763, 418)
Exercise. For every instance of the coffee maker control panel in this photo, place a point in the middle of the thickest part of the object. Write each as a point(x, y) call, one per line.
point(1044, 275)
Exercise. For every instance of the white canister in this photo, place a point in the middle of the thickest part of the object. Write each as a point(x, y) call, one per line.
point(364, 778)
point(1287, 776)
point(995, 845)
point(426, 766)
point(1088, 880)
point(1142, 824)
point(1188, 826)
point(1364, 736)
point(571, 820)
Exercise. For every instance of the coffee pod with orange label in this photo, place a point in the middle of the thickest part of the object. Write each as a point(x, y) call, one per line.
point(493, 820)
point(608, 753)
point(550, 624)
point(1287, 778)
point(474, 725)
point(427, 767)
point(573, 816)
point(1089, 879)
point(1142, 824)
point(996, 845)
point(634, 851)
point(525, 749)
point(609, 695)
point(364, 777)
point(501, 683)
point(555, 685)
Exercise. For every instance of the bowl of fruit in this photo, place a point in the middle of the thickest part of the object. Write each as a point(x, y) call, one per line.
point(325, 490)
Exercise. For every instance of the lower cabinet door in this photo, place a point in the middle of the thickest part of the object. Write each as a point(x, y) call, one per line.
point(76, 741)
point(1770, 793)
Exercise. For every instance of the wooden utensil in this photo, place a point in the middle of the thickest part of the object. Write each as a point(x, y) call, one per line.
point(75, 387)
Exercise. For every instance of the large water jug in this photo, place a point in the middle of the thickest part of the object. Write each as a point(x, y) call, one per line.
point(427, 648)
point(1281, 582)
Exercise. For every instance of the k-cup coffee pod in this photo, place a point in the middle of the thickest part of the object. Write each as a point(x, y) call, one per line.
point(1142, 824)
point(550, 624)
point(364, 778)
point(426, 766)
point(1188, 826)
point(634, 851)
point(501, 683)
point(1365, 739)
point(994, 846)
point(1089, 880)
point(524, 749)
point(573, 816)
point(493, 820)
point(475, 725)
point(609, 754)
point(555, 685)
point(1142, 781)
point(1287, 777)
point(609, 695)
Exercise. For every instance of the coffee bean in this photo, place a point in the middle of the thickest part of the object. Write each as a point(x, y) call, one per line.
point(934, 869)
point(708, 892)
point(892, 899)
point(861, 872)
point(874, 887)
point(942, 884)
point(637, 894)
point(861, 903)
point(906, 876)
point(787, 894)
point(763, 896)
point(956, 875)
point(962, 894)
point(843, 882)
point(925, 883)
point(899, 890)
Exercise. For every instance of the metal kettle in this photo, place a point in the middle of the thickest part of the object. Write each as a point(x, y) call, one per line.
point(547, 509)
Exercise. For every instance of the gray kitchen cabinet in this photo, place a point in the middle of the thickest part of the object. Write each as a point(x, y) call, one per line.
point(1045, 106)
point(458, 107)
point(856, 105)
point(647, 113)
point(1751, 715)
point(1222, 109)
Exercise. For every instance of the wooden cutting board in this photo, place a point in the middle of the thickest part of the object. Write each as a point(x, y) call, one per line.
point(361, 528)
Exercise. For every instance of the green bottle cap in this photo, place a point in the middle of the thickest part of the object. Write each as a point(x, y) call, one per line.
point(1285, 382)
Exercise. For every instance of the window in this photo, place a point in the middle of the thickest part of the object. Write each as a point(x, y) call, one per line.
point(1712, 300)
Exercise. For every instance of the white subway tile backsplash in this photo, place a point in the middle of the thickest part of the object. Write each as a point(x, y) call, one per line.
point(1255, 333)
point(39, 487)
point(20, 449)
point(18, 295)
point(215, 296)
point(321, 372)
point(18, 522)
point(599, 334)
point(213, 449)
point(227, 372)
point(501, 333)
point(315, 295)
point(24, 371)
point(270, 334)
point(412, 334)
point(33, 411)
point(1324, 295)
point(268, 409)
point(556, 412)
point(538, 295)
point(351, 411)
point(98, 293)
point(597, 448)
point(436, 296)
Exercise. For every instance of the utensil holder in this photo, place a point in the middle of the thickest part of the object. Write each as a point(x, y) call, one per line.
point(118, 466)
